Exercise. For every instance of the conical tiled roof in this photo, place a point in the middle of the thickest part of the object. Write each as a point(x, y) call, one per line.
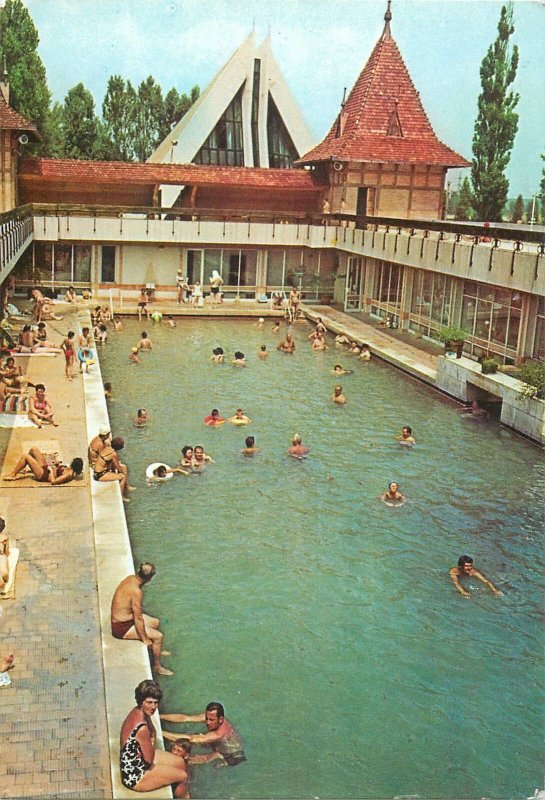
point(383, 119)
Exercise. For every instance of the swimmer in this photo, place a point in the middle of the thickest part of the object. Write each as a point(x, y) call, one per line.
point(213, 418)
point(260, 322)
point(133, 356)
point(365, 353)
point(118, 325)
point(169, 322)
point(217, 356)
point(276, 327)
point(200, 458)
point(145, 343)
point(162, 472)
point(250, 448)
point(465, 569)
point(239, 418)
point(108, 390)
point(239, 359)
point(406, 436)
point(263, 353)
point(338, 370)
point(393, 496)
point(356, 348)
point(338, 396)
point(287, 345)
point(319, 342)
point(297, 449)
point(340, 338)
point(474, 410)
point(186, 459)
point(141, 419)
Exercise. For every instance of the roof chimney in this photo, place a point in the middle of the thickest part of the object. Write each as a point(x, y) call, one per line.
point(4, 84)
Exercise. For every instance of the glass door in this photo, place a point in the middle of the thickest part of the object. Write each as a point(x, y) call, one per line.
point(195, 265)
point(354, 284)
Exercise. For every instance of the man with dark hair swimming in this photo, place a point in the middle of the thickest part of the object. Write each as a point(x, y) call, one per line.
point(221, 736)
point(128, 620)
point(465, 569)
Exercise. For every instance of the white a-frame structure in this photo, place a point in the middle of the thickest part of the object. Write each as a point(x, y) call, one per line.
point(246, 117)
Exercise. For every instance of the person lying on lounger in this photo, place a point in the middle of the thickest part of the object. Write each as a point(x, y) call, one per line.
point(46, 470)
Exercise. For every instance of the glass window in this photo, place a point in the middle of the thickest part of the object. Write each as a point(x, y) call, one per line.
point(43, 260)
point(63, 262)
point(482, 319)
point(539, 338)
point(275, 263)
point(282, 152)
point(194, 266)
point(108, 264)
point(82, 263)
point(212, 260)
point(514, 328)
point(224, 143)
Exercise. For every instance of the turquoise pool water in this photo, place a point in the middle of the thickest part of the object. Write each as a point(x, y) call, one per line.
point(323, 620)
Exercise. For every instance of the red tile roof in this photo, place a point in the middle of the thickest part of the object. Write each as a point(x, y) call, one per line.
point(383, 119)
point(121, 172)
point(12, 120)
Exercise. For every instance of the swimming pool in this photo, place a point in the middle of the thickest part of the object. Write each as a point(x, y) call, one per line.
point(325, 621)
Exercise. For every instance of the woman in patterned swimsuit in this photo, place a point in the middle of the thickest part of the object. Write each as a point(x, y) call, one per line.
point(143, 768)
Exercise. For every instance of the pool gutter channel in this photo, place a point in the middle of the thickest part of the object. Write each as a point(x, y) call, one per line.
point(125, 663)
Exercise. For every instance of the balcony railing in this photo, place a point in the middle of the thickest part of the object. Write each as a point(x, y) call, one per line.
point(16, 233)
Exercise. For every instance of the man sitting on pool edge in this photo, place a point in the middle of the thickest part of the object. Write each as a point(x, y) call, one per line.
point(221, 736)
point(466, 569)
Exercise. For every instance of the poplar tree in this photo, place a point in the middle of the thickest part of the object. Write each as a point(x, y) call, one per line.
point(464, 209)
point(80, 125)
point(518, 209)
point(496, 124)
point(117, 114)
point(29, 93)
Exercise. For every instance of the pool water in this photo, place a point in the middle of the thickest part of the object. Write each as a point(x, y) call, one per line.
point(325, 621)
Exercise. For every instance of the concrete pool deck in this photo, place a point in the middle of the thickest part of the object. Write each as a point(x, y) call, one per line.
point(73, 683)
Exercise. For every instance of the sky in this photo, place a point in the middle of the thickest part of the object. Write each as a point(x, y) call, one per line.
point(321, 46)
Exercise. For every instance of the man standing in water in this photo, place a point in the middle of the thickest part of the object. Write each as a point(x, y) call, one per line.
point(129, 622)
point(221, 736)
point(465, 569)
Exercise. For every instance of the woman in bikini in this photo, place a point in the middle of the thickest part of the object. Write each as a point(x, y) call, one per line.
point(40, 409)
point(108, 467)
point(142, 767)
point(69, 354)
point(44, 470)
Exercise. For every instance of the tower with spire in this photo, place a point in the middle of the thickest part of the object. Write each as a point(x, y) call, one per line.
point(381, 154)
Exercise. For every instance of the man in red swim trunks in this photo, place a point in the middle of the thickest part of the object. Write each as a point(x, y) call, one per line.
point(128, 620)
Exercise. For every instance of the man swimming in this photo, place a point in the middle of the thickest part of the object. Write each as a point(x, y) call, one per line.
point(338, 396)
point(297, 449)
point(250, 448)
point(465, 569)
point(287, 345)
point(221, 736)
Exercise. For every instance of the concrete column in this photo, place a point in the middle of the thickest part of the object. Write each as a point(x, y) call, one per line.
point(406, 297)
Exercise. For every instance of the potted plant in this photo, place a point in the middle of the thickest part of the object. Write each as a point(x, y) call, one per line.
point(489, 365)
point(454, 339)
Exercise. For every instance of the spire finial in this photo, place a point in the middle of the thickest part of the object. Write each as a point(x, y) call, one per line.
point(386, 34)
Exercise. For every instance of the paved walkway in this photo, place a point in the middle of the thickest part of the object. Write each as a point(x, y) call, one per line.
point(53, 722)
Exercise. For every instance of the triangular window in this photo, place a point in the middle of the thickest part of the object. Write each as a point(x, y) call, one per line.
point(225, 145)
point(282, 152)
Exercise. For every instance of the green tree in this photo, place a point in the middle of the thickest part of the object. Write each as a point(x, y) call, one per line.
point(118, 110)
point(518, 209)
point(79, 124)
point(496, 124)
point(29, 93)
point(464, 209)
point(149, 118)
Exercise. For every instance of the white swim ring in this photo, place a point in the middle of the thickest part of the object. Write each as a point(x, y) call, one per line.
point(150, 472)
